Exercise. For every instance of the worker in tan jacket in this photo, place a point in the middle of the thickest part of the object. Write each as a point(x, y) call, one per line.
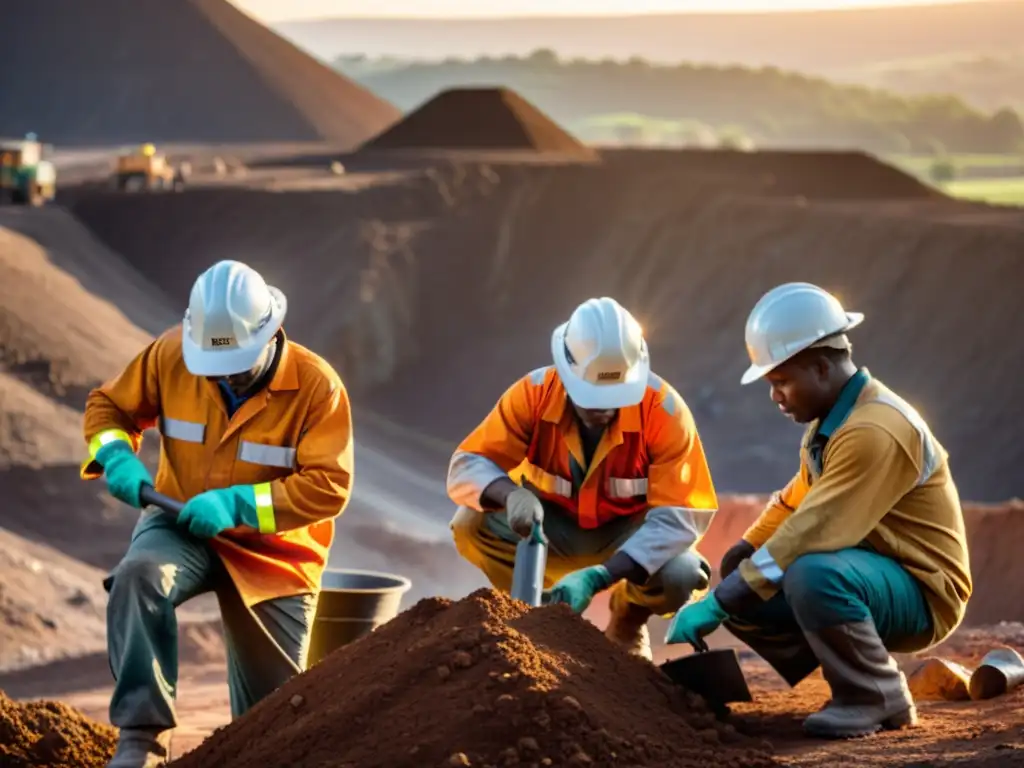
point(257, 439)
point(864, 551)
point(605, 457)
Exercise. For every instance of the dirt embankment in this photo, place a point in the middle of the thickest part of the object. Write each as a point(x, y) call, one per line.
point(433, 295)
point(70, 316)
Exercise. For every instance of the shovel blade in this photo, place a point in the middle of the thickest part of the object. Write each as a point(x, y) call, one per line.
point(715, 675)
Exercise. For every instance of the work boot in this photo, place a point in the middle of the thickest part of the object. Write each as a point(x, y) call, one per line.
point(142, 748)
point(628, 625)
point(869, 692)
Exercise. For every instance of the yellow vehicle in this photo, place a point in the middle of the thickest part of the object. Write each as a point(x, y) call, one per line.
point(146, 169)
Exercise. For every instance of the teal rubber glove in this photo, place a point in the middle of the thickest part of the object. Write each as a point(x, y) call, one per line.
point(214, 512)
point(124, 471)
point(692, 622)
point(578, 588)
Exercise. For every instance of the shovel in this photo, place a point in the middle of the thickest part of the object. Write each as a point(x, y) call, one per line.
point(148, 496)
point(714, 675)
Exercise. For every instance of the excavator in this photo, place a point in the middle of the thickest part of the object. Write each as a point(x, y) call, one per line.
point(145, 169)
point(25, 177)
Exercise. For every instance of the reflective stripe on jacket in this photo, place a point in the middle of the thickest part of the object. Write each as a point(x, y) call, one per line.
point(292, 441)
point(650, 461)
point(879, 478)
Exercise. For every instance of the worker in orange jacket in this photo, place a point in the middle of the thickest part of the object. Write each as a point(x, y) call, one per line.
point(605, 456)
point(257, 439)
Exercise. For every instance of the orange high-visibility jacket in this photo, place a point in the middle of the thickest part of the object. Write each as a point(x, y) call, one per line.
point(650, 461)
point(293, 439)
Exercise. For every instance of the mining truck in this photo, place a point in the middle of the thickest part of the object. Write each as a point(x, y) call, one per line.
point(25, 177)
point(145, 169)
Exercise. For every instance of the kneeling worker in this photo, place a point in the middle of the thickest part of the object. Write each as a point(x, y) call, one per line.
point(606, 456)
point(257, 438)
point(864, 551)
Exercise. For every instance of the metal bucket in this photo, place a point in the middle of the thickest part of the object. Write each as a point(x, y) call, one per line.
point(353, 603)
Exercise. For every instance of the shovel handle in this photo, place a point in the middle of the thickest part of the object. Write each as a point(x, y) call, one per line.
point(700, 646)
point(149, 496)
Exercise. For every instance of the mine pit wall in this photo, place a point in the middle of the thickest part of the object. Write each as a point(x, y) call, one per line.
point(434, 294)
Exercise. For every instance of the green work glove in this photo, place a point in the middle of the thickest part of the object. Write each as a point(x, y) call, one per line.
point(214, 512)
point(578, 588)
point(696, 620)
point(124, 471)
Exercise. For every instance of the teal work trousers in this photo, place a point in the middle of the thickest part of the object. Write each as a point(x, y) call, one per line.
point(164, 567)
point(828, 589)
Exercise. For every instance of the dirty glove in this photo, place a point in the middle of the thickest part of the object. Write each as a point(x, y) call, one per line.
point(214, 512)
point(124, 471)
point(523, 509)
point(696, 620)
point(578, 588)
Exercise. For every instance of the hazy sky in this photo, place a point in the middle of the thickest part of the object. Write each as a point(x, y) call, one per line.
point(278, 10)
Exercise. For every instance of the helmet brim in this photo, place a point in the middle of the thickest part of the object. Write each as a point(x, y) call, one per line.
point(598, 396)
point(231, 362)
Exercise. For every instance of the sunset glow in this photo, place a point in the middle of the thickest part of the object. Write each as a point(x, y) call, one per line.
point(277, 10)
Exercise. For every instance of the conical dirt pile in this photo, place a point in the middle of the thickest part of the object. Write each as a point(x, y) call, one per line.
point(478, 119)
point(112, 71)
point(48, 734)
point(484, 681)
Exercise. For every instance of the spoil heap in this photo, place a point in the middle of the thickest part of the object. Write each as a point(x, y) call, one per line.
point(484, 681)
point(47, 734)
point(481, 119)
point(170, 71)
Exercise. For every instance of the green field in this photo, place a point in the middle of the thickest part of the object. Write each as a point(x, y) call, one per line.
point(997, 191)
point(920, 165)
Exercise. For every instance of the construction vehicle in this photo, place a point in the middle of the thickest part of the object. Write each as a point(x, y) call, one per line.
point(25, 177)
point(145, 169)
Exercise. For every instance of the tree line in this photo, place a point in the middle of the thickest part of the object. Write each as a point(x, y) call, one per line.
point(770, 107)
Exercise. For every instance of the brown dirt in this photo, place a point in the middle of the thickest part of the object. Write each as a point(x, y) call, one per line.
point(51, 606)
point(478, 118)
point(69, 310)
point(200, 70)
point(483, 681)
point(48, 734)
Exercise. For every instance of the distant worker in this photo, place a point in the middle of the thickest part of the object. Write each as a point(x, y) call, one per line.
point(603, 454)
point(257, 438)
point(863, 552)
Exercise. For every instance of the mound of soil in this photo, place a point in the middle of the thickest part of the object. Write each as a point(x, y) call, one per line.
point(484, 681)
point(182, 71)
point(71, 313)
point(478, 118)
point(816, 175)
point(48, 734)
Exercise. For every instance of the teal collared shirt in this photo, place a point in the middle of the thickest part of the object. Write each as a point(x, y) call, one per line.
point(835, 418)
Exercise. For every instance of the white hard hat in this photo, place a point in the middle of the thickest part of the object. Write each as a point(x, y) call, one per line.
point(601, 356)
point(232, 316)
point(790, 318)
